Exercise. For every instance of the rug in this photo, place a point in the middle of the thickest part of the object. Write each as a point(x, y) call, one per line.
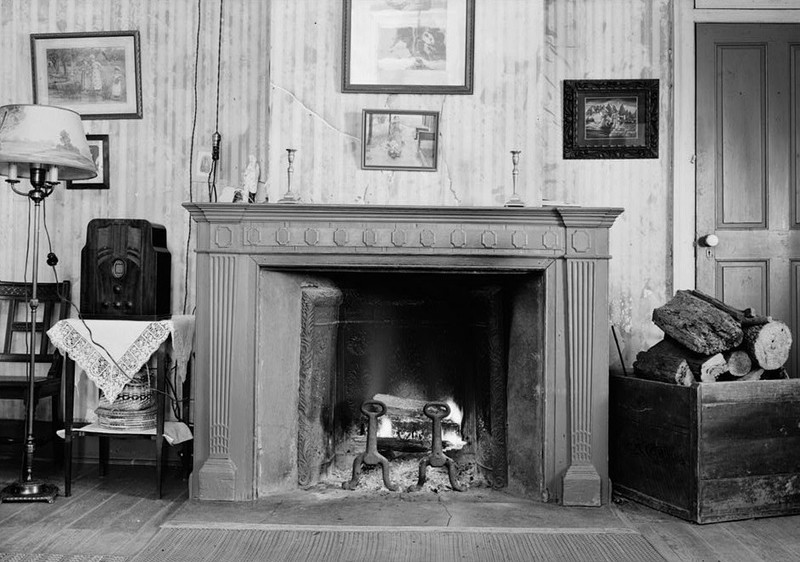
point(281, 543)
point(42, 557)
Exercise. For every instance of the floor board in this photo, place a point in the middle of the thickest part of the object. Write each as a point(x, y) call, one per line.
point(119, 514)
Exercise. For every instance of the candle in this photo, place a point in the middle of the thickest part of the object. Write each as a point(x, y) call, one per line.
point(12, 171)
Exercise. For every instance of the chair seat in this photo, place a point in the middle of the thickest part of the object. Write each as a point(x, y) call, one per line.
point(14, 380)
point(14, 353)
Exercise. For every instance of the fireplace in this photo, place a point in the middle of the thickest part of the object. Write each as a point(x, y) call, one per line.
point(407, 339)
point(305, 311)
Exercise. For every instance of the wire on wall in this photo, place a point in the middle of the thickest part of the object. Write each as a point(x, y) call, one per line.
point(216, 138)
point(191, 157)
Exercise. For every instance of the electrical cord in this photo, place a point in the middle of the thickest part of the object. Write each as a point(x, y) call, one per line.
point(191, 158)
point(216, 137)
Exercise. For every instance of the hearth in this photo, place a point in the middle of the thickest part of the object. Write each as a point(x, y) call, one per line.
point(303, 312)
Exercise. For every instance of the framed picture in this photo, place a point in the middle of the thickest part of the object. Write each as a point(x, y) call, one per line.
point(610, 119)
point(98, 146)
point(399, 140)
point(408, 47)
point(96, 74)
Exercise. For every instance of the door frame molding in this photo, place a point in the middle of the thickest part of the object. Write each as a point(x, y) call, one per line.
point(685, 16)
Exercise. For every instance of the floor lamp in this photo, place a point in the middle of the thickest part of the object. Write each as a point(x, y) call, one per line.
point(44, 144)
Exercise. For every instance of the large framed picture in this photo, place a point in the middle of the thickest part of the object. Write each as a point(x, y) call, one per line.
point(399, 140)
point(98, 146)
point(610, 119)
point(96, 74)
point(409, 47)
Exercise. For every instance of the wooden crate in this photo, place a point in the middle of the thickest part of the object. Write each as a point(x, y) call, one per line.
point(707, 453)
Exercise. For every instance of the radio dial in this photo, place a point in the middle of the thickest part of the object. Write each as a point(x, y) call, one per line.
point(118, 268)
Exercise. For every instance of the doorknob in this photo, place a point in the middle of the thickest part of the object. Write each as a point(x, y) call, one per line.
point(709, 240)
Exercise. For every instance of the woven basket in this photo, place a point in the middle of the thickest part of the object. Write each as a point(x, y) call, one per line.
point(134, 407)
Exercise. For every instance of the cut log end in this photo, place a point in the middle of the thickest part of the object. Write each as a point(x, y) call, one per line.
point(739, 363)
point(712, 368)
point(768, 344)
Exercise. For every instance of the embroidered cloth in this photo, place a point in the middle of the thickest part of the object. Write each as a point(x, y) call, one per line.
point(111, 352)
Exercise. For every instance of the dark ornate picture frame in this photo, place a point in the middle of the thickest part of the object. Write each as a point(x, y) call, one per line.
point(98, 145)
point(611, 119)
point(96, 74)
point(399, 140)
point(408, 49)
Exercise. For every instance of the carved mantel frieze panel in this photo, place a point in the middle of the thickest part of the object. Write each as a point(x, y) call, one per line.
point(542, 232)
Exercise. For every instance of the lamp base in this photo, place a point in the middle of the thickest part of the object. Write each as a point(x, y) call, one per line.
point(515, 201)
point(289, 197)
point(33, 491)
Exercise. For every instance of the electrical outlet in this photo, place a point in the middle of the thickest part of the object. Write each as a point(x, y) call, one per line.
point(204, 163)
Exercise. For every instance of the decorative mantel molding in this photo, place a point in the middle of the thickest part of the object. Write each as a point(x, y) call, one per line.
point(540, 231)
point(568, 245)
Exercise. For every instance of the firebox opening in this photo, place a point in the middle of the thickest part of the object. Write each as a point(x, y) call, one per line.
point(407, 339)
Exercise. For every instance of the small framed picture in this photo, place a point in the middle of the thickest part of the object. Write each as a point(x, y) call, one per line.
point(610, 119)
point(96, 74)
point(98, 146)
point(408, 47)
point(399, 140)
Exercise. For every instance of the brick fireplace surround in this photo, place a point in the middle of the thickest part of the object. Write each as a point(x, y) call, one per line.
point(246, 373)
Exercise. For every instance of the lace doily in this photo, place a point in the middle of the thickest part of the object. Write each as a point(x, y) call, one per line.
point(129, 343)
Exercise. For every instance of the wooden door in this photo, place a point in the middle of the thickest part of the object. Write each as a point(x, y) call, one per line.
point(747, 181)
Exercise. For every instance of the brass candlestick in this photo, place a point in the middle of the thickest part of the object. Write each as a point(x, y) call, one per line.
point(515, 200)
point(290, 196)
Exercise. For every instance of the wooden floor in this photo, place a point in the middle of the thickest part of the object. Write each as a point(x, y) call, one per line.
point(114, 515)
point(118, 514)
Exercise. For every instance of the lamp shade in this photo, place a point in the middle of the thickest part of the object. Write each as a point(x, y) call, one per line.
point(44, 136)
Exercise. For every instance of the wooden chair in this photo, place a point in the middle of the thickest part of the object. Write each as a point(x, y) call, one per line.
point(15, 355)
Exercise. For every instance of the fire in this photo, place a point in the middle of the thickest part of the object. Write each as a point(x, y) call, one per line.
point(385, 427)
point(456, 415)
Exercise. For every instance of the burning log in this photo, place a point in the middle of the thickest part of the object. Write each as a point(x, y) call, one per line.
point(408, 420)
point(698, 325)
point(768, 344)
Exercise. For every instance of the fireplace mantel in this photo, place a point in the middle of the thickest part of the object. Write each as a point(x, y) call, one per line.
point(237, 243)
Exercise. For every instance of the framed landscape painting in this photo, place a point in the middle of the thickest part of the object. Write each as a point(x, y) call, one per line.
point(399, 140)
point(610, 119)
point(97, 74)
point(408, 46)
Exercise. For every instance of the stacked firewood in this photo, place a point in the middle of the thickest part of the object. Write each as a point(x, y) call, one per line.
point(706, 340)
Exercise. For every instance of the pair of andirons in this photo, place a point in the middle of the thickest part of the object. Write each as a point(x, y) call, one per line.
point(374, 409)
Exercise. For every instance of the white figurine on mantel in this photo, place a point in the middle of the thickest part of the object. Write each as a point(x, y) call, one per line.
point(251, 175)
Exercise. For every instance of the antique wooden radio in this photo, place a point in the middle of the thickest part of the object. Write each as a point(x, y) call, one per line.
point(125, 271)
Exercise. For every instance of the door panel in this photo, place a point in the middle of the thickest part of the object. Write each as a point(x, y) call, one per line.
point(795, 131)
point(748, 193)
point(743, 284)
point(741, 123)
